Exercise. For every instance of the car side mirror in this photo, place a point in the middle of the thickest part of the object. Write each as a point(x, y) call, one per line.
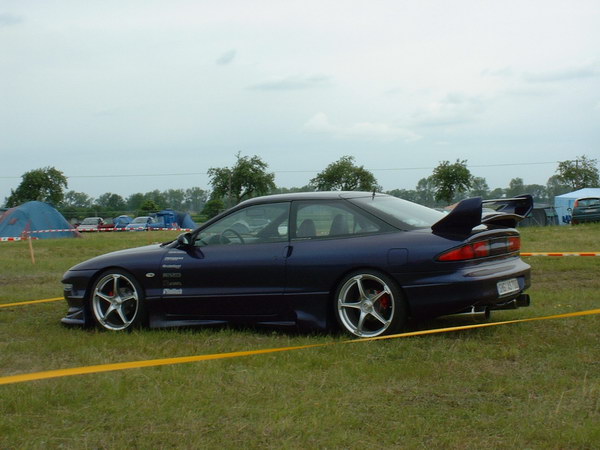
point(184, 239)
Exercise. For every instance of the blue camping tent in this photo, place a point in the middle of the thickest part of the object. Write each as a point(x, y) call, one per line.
point(564, 203)
point(31, 217)
point(169, 218)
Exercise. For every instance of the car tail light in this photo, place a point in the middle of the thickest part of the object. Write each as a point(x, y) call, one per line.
point(458, 254)
point(514, 244)
point(482, 249)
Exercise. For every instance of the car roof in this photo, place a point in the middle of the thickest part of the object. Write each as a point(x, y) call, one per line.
point(320, 195)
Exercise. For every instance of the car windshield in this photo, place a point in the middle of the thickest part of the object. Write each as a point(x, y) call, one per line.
point(140, 220)
point(399, 213)
point(90, 221)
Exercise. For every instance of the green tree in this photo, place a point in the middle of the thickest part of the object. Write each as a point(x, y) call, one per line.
point(497, 193)
point(285, 190)
point(246, 179)
point(451, 179)
point(195, 199)
point(515, 187)
point(76, 205)
point(158, 197)
point(74, 199)
point(538, 192)
point(518, 187)
point(134, 201)
point(174, 198)
point(111, 203)
point(479, 188)
point(149, 206)
point(554, 187)
point(426, 192)
point(213, 207)
point(344, 175)
point(406, 194)
point(45, 185)
point(579, 173)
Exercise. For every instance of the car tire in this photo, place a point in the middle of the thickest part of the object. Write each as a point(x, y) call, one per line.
point(369, 304)
point(117, 301)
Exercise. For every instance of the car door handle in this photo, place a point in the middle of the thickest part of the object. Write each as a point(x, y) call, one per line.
point(287, 251)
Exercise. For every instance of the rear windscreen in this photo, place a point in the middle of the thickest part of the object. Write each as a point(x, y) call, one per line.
point(587, 202)
point(399, 213)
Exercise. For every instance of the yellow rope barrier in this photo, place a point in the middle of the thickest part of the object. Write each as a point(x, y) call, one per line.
point(32, 302)
point(187, 359)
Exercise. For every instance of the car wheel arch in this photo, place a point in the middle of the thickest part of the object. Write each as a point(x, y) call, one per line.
point(93, 279)
point(331, 309)
point(90, 317)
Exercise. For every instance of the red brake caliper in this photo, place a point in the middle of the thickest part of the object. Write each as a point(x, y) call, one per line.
point(384, 302)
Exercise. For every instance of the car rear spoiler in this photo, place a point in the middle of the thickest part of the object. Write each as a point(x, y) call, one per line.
point(520, 205)
point(507, 212)
point(470, 212)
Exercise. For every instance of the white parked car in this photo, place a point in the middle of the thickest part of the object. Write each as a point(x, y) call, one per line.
point(90, 224)
point(141, 223)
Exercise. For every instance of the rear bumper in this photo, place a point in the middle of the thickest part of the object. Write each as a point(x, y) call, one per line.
point(432, 294)
point(585, 219)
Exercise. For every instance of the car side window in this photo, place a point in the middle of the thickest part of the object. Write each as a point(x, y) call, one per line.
point(250, 225)
point(331, 219)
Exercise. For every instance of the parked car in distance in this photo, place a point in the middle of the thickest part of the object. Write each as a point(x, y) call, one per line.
point(90, 224)
point(117, 224)
point(586, 210)
point(122, 221)
point(142, 223)
point(359, 261)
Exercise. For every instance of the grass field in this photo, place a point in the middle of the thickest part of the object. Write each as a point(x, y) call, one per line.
point(528, 385)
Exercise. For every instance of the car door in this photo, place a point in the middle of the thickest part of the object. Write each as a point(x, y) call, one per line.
point(236, 266)
point(328, 239)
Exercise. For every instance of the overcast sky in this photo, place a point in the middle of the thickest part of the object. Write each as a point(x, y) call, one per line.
point(109, 88)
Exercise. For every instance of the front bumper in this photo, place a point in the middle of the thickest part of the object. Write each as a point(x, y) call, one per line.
point(75, 284)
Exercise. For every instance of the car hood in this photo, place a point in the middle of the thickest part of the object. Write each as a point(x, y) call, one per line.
point(149, 255)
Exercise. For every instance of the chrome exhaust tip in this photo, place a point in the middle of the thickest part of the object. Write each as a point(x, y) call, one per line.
point(476, 312)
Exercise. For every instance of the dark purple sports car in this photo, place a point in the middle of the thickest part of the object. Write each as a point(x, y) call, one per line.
point(362, 261)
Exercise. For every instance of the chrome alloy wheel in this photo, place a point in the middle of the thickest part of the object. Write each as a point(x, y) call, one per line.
point(366, 305)
point(116, 301)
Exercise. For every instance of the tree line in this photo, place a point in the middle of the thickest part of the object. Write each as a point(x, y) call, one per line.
point(249, 177)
